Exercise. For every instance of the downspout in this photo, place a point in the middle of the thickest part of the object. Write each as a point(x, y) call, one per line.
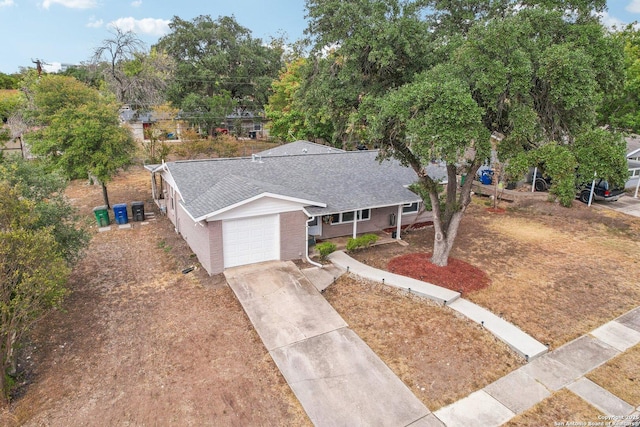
point(306, 244)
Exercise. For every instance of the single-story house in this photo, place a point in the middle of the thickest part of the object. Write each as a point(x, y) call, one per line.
point(633, 160)
point(245, 123)
point(236, 211)
point(140, 122)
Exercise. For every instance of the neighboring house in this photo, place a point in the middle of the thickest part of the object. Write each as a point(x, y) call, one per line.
point(245, 123)
point(633, 160)
point(139, 122)
point(237, 211)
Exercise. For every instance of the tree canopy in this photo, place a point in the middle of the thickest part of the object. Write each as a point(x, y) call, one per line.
point(532, 76)
point(137, 78)
point(39, 242)
point(81, 133)
point(622, 107)
point(220, 67)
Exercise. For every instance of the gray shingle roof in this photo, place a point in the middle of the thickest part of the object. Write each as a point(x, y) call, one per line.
point(330, 182)
point(299, 148)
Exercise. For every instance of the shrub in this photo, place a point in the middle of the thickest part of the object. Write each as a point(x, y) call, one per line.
point(353, 244)
point(369, 239)
point(363, 241)
point(325, 248)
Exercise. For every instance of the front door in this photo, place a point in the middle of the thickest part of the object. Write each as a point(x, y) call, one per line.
point(315, 227)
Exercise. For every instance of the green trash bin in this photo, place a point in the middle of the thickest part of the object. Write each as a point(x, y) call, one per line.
point(102, 215)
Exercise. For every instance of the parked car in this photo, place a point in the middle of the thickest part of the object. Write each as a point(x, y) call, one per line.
point(542, 183)
point(602, 191)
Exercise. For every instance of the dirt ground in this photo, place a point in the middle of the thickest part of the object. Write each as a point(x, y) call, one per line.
point(141, 343)
point(555, 272)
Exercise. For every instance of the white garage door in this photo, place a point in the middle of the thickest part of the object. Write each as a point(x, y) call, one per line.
point(251, 240)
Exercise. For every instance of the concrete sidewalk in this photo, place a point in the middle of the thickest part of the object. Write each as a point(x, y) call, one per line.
point(565, 367)
point(515, 338)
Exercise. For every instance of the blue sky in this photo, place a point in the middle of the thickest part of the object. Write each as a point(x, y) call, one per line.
point(67, 31)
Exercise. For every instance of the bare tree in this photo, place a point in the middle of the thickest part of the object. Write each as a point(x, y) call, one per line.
point(136, 77)
point(116, 51)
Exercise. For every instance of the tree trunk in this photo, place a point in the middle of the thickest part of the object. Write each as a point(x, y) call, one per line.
point(444, 239)
point(446, 223)
point(105, 196)
point(4, 402)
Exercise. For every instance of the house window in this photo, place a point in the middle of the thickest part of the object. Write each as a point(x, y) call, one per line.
point(410, 208)
point(345, 217)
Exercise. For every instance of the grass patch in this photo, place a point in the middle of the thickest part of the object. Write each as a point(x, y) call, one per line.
point(621, 376)
point(561, 408)
point(162, 244)
point(440, 356)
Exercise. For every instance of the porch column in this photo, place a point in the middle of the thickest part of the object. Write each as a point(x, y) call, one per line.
point(154, 190)
point(355, 223)
point(399, 222)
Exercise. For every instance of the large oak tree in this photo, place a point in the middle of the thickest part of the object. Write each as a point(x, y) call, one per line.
point(220, 69)
point(532, 74)
point(81, 133)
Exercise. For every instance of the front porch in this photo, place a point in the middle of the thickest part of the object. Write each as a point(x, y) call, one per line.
point(384, 238)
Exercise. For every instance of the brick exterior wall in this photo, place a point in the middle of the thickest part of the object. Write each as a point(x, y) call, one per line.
point(215, 244)
point(196, 235)
point(292, 235)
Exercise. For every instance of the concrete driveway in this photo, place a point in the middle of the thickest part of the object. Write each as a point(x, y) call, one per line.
point(336, 377)
point(625, 204)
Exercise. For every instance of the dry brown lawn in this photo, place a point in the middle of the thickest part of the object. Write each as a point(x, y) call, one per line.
point(561, 408)
point(441, 356)
point(555, 272)
point(621, 376)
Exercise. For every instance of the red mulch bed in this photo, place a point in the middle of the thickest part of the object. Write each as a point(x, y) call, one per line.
point(457, 275)
point(497, 210)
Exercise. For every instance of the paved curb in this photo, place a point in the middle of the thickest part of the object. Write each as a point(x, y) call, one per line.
point(519, 341)
point(418, 287)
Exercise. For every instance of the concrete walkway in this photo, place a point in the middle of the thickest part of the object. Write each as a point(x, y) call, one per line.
point(519, 341)
point(337, 378)
point(523, 388)
point(565, 367)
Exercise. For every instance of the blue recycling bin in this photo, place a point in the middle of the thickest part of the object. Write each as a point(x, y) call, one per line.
point(486, 177)
point(120, 213)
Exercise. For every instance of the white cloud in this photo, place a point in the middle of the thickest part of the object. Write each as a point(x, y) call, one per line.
point(136, 3)
point(610, 21)
point(4, 3)
point(71, 4)
point(95, 23)
point(152, 26)
point(634, 6)
point(53, 67)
